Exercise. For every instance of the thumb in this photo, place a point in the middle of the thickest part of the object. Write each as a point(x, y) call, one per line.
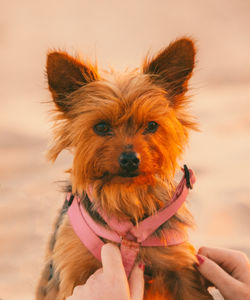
point(136, 282)
point(112, 261)
point(215, 274)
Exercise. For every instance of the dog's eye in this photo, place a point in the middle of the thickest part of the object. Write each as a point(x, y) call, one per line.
point(151, 128)
point(102, 128)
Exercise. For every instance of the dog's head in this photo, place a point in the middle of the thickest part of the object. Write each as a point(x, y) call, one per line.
point(126, 131)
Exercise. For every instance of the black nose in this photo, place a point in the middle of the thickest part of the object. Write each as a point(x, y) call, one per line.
point(129, 161)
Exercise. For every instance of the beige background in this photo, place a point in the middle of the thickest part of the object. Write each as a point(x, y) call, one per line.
point(119, 33)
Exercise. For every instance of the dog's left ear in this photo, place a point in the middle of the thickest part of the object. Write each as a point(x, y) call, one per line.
point(172, 68)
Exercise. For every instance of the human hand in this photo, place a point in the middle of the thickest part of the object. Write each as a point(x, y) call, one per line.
point(110, 282)
point(228, 270)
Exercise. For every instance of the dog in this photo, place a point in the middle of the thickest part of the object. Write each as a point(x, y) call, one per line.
point(127, 132)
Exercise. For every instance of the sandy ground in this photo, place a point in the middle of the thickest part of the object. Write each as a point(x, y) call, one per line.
point(119, 33)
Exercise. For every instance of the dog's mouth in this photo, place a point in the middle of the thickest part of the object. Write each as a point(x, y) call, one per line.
point(124, 174)
point(128, 174)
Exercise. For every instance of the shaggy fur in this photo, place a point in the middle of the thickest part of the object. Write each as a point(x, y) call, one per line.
point(97, 118)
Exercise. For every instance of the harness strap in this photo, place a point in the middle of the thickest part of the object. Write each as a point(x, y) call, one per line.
point(146, 227)
point(150, 224)
point(168, 236)
point(83, 231)
point(129, 251)
point(124, 233)
point(90, 232)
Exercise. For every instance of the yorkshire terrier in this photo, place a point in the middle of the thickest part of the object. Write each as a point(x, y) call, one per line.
point(127, 132)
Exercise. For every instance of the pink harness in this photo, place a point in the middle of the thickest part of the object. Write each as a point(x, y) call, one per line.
point(129, 237)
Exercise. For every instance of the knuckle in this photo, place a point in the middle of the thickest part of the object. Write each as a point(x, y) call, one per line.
point(242, 257)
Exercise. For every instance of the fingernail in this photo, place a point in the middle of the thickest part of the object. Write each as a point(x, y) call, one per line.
point(200, 259)
point(141, 265)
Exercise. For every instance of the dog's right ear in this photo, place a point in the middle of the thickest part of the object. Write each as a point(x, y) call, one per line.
point(65, 75)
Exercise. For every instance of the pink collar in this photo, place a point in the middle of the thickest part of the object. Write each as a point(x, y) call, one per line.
point(129, 237)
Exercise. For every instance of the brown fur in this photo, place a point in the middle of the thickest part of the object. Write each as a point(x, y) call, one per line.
point(126, 102)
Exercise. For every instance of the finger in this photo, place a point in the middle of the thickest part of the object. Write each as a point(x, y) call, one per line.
point(234, 262)
point(226, 284)
point(112, 261)
point(136, 283)
point(95, 275)
point(77, 292)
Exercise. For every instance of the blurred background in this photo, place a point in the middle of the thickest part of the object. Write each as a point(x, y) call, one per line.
point(119, 34)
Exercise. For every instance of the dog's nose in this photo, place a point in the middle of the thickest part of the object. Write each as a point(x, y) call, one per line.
point(129, 161)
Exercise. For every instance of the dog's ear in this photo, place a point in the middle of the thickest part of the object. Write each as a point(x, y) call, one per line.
point(172, 68)
point(65, 75)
